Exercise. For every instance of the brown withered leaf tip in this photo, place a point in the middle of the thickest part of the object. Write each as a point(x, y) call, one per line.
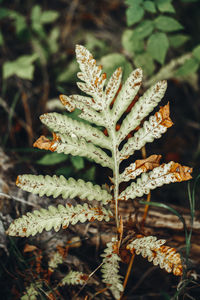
point(164, 111)
point(46, 144)
point(182, 173)
point(148, 163)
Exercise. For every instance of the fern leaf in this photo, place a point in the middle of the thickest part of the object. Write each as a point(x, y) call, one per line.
point(65, 125)
point(74, 278)
point(55, 260)
point(113, 86)
point(77, 147)
point(126, 95)
point(152, 129)
point(32, 291)
point(110, 269)
point(166, 257)
point(141, 109)
point(87, 113)
point(164, 174)
point(55, 217)
point(56, 186)
point(91, 75)
point(140, 166)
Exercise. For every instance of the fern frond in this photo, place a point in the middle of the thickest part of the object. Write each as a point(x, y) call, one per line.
point(70, 144)
point(55, 260)
point(166, 257)
point(91, 75)
point(110, 269)
point(112, 87)
point(141, 109)
point(164, 174)
point(87, 112)
point(55, 217)
point(32, 291)
point(65, 125)
point(151, 129)
point(56, 186)
point(140, 166)
point(74, 278)
point(126, 95)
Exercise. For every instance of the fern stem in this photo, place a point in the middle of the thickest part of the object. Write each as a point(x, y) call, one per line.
point(146, 209)
point(116, 184)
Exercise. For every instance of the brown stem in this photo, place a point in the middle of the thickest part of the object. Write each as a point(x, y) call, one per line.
point(128, 272)
point(146, 208)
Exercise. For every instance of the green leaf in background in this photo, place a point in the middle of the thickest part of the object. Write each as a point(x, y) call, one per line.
point(178, 40)
point(65, 171)
point(22, 67)
point(165, 6)
point(53, 40)
point(36, 21)
point(149, 6)
point(167, 24)
point(157, 46)
point(49, 16)
point(52, 159)
point(36, 14)
point(89, 175)
point(130, 44)
point(4, 12)
point(190, 66)
point(77, 162)
point(196, 52)
point(1, 39)
point(134, 14)
point(69, 73)
point(144, 61)
point(113, 61)
point(143, 30)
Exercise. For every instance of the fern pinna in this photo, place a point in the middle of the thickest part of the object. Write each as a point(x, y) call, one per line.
point(104, 107)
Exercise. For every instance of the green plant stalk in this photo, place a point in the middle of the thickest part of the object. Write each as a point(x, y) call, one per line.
point(115, 155)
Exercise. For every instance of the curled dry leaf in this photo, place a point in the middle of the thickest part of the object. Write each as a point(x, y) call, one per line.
point(140, 166)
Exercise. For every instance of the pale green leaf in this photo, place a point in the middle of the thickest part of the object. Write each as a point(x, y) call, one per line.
point(55, 217)
point(178, 40)
point(190, 66)
point(145, 62)
point(1, 39)
point(63, 124)
point(134, 14)
point(130, 43)
point(49, 16)
point(149, 6)
point(60, 186)
point(167, 24)
point(36, 14)
point(143, 30)
point(77, 162)
point(196, 52)
point(52, 159)
point(157, 46)
point(141, 109)
point(69, 73)
point(165, 6)
point(22, 67)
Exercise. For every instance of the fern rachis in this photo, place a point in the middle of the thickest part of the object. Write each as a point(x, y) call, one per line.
point(105, 107)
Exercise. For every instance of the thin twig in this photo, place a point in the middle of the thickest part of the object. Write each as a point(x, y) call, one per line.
point(128, 273)
point(18, 199)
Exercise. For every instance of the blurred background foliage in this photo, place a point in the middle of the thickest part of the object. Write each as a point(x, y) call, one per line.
point(37, 43)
